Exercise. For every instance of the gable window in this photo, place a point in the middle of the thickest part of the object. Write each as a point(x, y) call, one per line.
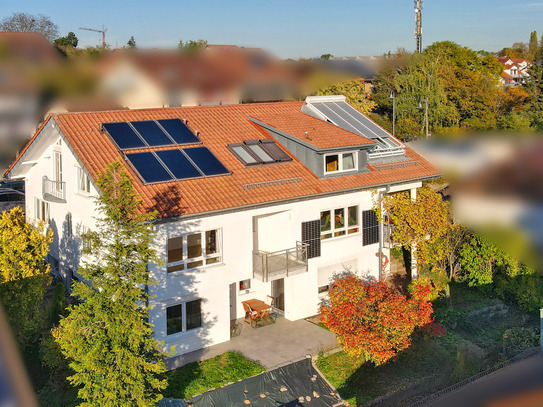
point(41, 210)
point(83, 181)
point(194, 250)
point(340, 162)
point(339, 222)
point(183, 317)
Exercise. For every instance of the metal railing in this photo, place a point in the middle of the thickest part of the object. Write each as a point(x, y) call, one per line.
point(53, 191)
point(283, 263)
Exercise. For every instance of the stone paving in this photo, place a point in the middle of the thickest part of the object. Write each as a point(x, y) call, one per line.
point(272, 346)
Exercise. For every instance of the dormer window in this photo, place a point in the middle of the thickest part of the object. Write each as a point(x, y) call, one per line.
point(340, 162)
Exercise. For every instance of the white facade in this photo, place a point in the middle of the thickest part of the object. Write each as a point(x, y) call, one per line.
point(218, 288)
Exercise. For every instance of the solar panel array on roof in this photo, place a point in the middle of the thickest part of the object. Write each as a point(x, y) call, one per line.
point(347, 117)
point(123, 135)
point(150, 133)
point(176, 164)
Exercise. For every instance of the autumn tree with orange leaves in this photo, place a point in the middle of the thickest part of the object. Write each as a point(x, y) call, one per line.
point(373, 320)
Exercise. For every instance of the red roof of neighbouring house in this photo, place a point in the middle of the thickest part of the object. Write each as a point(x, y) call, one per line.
point(217, 127)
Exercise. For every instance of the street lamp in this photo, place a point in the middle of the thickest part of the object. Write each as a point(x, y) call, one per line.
point(393, 97)
point(425, 114)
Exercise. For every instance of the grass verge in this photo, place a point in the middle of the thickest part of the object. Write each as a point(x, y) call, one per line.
point(198, 377)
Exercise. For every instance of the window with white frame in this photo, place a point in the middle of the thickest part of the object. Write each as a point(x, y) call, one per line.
point(340, 222)
point(245, 285)
point(183, 317)
point(194, 250)
point(340, 162)
point(83, 181)
point(41, 210)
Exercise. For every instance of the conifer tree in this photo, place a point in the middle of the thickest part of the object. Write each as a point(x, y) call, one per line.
point(532, 45)
point(106, 337)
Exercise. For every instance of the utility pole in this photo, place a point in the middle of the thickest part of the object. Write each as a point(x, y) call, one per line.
point(103, 31)
point(419, 4)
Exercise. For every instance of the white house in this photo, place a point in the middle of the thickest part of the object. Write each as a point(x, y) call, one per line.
point(253, 200)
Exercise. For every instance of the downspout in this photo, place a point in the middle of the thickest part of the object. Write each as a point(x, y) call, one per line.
point(381, 232)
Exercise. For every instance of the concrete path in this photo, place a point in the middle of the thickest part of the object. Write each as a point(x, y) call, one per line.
point(272, 346)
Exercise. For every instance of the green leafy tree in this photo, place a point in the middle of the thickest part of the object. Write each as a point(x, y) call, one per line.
point(326, 57)
point(131, 42)
point(192, 46)
point(24, 22)
point(353, 89)
point(23, 274)
point(533, 46)
point(107, 338)
point(70, 39)
point(534, 87)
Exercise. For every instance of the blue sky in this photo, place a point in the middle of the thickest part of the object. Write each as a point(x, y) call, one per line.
point(294, 28)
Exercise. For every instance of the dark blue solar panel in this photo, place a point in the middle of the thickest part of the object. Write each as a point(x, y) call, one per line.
point(178, 164)
point(151, 133)
point(123, 135)
point(206, 161)
point(149, 168)
point(178, 131)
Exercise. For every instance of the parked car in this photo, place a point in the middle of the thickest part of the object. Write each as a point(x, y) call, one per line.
point(16, 185)
point(9, 198)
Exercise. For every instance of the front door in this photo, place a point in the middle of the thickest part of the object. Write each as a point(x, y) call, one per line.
point(233, 297)
point(278, 293)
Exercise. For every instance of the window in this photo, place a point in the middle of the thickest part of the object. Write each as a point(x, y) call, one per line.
point(254, 152)
point(324, 288)
point(68, 225)
point(194, 250)
point(339, 222)
point(340, 162)
point(83, 181)
point(370, 233)
point(41, 210)
point(245, 285)
point(183, 317)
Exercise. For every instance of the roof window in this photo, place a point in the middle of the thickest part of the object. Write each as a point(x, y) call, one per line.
point(256, 152)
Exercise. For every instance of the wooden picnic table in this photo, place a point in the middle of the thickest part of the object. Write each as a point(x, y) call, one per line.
point(260, 307)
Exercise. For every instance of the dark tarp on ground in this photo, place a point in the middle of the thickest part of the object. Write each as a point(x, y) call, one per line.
point(171, 403)
point(300, 379)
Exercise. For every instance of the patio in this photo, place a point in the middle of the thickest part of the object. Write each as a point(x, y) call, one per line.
point(272, 346)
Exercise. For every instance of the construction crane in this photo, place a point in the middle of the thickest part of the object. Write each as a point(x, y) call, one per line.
point(103, 31)
point(418, 24)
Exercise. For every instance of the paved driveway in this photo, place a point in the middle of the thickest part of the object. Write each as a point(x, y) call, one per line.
point(272, 346)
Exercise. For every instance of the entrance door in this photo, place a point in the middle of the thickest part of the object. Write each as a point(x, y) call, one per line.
point(233, 297)
point(278, 293)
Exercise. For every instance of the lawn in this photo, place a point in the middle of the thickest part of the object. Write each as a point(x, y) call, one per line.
point(471, 344)
point(198, 377)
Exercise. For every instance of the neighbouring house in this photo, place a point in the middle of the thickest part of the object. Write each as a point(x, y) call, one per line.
point(252, 200)
point(363, 67)
point(515, 71)
point(218, 74)
point(22, 57)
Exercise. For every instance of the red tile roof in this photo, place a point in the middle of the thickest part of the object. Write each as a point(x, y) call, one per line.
point(313, 131)
point(218, 126)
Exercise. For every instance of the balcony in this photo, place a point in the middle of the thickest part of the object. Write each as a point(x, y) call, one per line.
point(388, 239)
point(53, 191)
point(283, 263)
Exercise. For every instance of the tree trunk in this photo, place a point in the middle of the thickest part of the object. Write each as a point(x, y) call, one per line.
point(407, 261)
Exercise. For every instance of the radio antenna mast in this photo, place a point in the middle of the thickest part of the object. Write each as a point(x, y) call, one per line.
point(418, 24)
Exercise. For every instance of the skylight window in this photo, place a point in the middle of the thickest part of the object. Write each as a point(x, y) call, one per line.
point(255, 152)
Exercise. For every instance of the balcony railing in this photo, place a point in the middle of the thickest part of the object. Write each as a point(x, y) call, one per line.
point(53, 191)
point(388, 239)
point(284, 263)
